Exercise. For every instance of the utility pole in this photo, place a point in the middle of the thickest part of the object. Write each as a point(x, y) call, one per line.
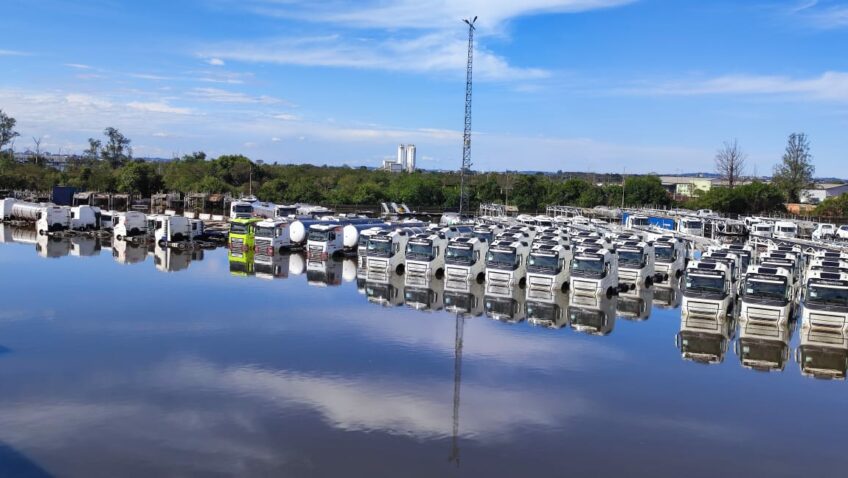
point(457, 382)
point(466, 137)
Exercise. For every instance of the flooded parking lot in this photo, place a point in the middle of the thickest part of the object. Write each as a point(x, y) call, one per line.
point(117, 360)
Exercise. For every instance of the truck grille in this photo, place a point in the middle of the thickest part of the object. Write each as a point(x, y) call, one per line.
point(584, 286)
point(501, 278)
point(702, 309)
point(315, 252)
point(416, 268)
point(826, 321)
point(760, 313)
point(629, 276)
point(456, 273)
point(539, 282)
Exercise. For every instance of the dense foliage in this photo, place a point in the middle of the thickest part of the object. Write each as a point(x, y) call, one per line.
point(833, 207)
point(753, 198)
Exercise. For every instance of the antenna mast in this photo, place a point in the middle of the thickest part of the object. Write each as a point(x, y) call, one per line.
point(466, 137)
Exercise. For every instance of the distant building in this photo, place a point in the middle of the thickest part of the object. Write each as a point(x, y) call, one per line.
point(405, 160)
point(822, 191)
point(684, 187)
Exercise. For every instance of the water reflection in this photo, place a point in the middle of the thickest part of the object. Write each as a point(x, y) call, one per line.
point(547, 309)
point(667, 294)
point(505, 304)
point(635, 304)
point(464, 298)
point(128, 252)
point(703, 339)
point(591, 314)
point(763, 346)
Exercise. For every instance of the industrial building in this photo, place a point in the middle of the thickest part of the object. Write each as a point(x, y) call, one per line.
point(405, 160)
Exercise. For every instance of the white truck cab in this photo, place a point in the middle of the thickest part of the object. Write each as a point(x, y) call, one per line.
point(465, 259)
point(667, 295)
point(425, 254)
point(241, 209)
point(84, 218)
point(824, 302)
point(324, 241)
point(129, 224)
point(386, 254)
point(506, 263)
point(708, 291)
point(323, 272)
point(691, 225)
point(635, 263)
point(125, 252)
point(594, 271)
point(486, 231)
point(842, 232)
point(53, 219)
point(592, 314)
point(824, 231)
point(785, 230)
point(767, 296)
point(168, 229)
point(271, 237)
point(637, 221)
point(271, 266)
point(762, 229)
point(548, 267)
point(669, 257)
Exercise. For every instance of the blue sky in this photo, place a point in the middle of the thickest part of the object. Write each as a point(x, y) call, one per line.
point(576, 85)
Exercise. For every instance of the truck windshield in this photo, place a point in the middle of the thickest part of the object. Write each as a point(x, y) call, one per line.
point(665, 254)
point(825, 294)
point(631, 259)
point(379, 247)
point(546, 262)
point(703, 283)
point(318, 236)
point(766, 289)
point(787, 229)
point(264, 231)
point(639, 221)
point(693, 225)
point(501, 259)
point(459, 255)
point(487, 235)
point(239, 228)
point(419, 251)
point(587, 266)
point(243, 208)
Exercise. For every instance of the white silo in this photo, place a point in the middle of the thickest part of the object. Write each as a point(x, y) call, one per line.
point(401, 156)
point(410, 158)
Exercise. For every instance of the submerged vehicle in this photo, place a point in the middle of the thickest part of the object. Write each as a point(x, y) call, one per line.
point(594, 272)
point(635, 263)
point(425, 295)
point(705, 339)
point(763, 346)
point(424, 255)
point(592, 314)
point(549, 267)
point(669, 257)
point(128, 224)
point(506, 263)
point(324, 241)
point(708, 290)
point(504, 303)
point(243, 234)
point(465, 259)
point(547, 309)
point(824, 302)
point(386, 253)
point(271, 237)
point(767, 296)
point(635, 304)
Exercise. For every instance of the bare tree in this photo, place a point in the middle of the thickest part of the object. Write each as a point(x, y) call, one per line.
point(37, 143)
point(730, 162)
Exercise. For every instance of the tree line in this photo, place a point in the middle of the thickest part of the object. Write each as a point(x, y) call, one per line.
point(108, 165)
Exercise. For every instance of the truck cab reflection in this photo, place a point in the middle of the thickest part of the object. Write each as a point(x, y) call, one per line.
point(128, 252)
point(667, 294)
point(823, 355)
point(464, 298)
point(635, 304)
point(271, 267)
point(763, 346)
point(85, 246)
point(52, 247)
point(594, 315)
point(387, 292)
point(324, 273)
point(241, 263)
point(705, 340)
point(426, 294)
point(547, 308)
point(505, 304)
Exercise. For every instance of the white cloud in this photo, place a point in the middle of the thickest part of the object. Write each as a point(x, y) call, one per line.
point(825, 15)
point(433, 52)
point(158, 107)
point(286, 117)
point(421, 14)
point(830, 86)
point(13, 53)
point(224, 96)
point(78, 66)
point(275, 140)
point(215, 61)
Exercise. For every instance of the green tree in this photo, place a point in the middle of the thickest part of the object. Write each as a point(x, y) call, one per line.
point(7, 129)
point(529, 192)
point(139, 177)
point(488, 191)
point(645, 191)
point(568, 192)
point(117, 149)
point(796, 170)
point(833, 206)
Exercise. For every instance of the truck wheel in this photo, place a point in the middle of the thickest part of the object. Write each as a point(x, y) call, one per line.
point(648, 282)
point(610, 292)
point(119, 237)
point(282, 250)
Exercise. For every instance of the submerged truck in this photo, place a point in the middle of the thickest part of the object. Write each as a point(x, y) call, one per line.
point(271, 237)
point(128, 224)
point(465, 259)
point(506, 263)
point(767, 296)
point(635, 263)
point(708, 290)
point(824, 303)
point(242, 236)
point(592, 314)
point(324, 241)
point(425, 255)
point(669, 256)
point(549, 267)
point(386, 253)
point(594, 271)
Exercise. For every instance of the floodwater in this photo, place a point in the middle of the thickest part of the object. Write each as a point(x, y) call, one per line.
point(110, 365)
